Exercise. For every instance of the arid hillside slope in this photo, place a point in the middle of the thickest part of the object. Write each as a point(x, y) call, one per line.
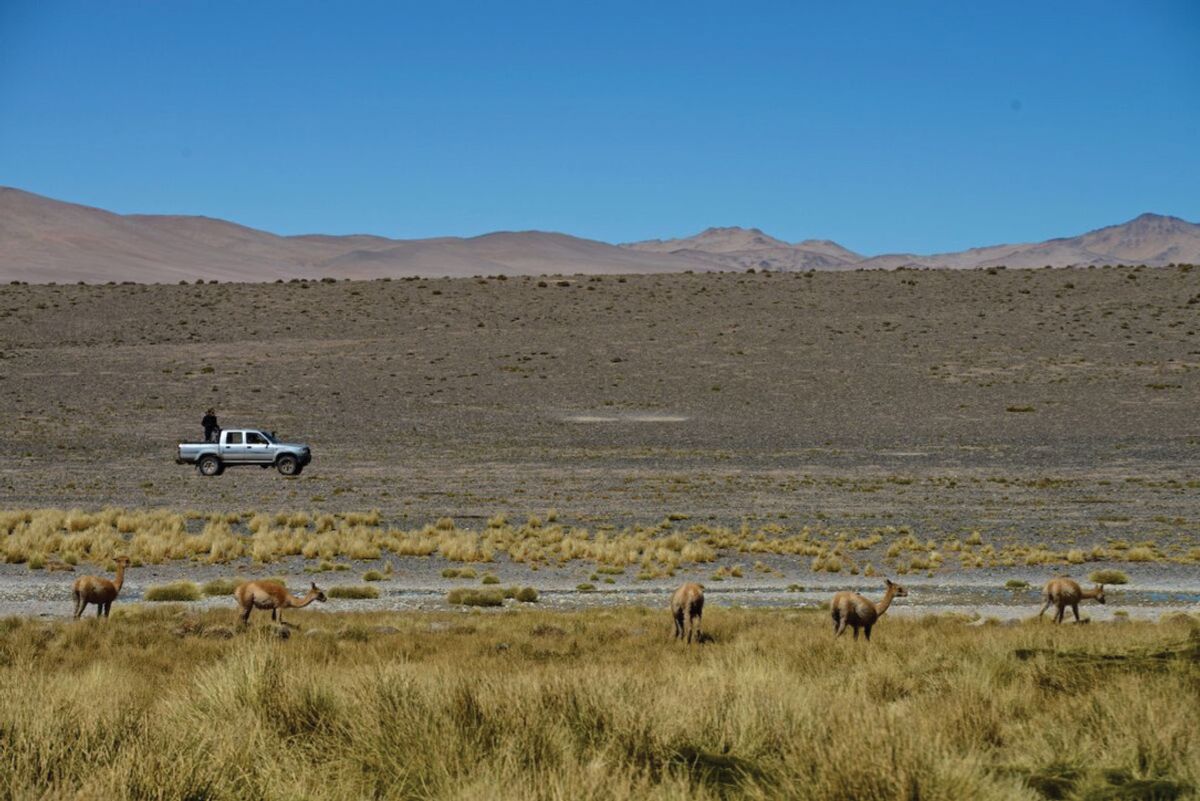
point(44, 240)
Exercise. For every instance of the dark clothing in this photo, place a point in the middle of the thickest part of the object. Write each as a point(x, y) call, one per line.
point(210, 427)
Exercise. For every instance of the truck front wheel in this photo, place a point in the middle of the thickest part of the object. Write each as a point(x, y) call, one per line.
point(210, 466)
point(287, 465)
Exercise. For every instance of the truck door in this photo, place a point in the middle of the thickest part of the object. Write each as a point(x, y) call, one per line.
point(233, 450)
point(258, 448)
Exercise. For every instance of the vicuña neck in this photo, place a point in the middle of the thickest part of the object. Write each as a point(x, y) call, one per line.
point(120, 579)
point(299, 603)
point(883, 605)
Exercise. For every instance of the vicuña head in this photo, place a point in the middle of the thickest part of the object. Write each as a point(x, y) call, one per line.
point(854, 610)
point(272, 595)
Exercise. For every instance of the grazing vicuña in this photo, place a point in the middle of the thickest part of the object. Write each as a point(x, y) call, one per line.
point(852, 609)
point(272, 595)
point(687, 603)
point(1064, 592)
point(99, 591)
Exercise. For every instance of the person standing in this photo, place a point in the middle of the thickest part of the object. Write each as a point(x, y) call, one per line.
point(211, 429)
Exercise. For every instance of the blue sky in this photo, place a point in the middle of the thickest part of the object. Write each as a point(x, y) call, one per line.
point(886, 126)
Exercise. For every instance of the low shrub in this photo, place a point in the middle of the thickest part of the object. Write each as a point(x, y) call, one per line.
point(464, 596)
point(222, 586)
point(353, 592)
point(1109, 577)
point(175, 591)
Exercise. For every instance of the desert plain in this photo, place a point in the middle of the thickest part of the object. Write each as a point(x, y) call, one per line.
point(511, 474)
point(1046, 417)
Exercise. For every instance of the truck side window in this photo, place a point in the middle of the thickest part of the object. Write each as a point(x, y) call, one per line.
point(254, 438)
point(235, 438)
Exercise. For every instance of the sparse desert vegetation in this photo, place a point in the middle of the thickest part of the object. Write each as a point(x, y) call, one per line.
point(418, 411)
point(161, 536)
point(402, 706)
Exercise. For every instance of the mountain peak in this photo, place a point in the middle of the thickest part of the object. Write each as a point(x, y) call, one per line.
point(1159, 222)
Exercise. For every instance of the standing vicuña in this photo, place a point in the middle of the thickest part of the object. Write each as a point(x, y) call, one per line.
point(852, 609)
point(687, 603)
point(272, 595)
point(1063, 592)
point(99, 591)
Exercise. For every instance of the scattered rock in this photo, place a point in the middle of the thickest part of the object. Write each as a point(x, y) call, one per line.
point(439, 625)
point(219, 633)
point(502, 646)
point(282, 632)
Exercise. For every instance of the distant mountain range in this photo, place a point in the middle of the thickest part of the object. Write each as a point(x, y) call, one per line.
point(1150, 239)
point(43, 240)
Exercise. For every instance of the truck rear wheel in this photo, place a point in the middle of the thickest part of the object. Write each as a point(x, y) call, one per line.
point(287, 465)
point(210, 466)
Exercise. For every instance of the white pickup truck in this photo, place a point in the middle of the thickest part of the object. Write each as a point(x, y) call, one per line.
point(245, 446)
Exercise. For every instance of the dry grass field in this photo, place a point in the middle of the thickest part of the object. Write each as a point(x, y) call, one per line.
point(157, 703)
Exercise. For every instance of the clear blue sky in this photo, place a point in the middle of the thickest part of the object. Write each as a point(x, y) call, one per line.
point(886, 126)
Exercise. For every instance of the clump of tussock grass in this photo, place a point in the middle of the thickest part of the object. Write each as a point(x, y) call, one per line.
point(353, 592)
point(489, 579)
point(1016, 584)
point(328, 540)
point(1108, 576)
point(175, 591)
point(469, 596)
point(459, 573)
point(221, 586)
point(374, 575)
